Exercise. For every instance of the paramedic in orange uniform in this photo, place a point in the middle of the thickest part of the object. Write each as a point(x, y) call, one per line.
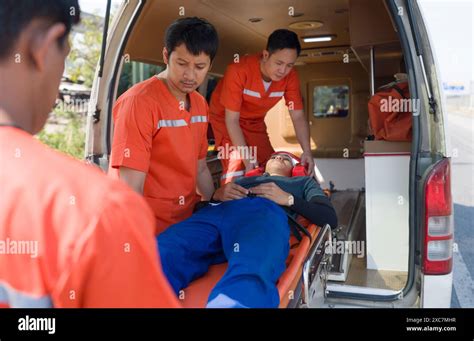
point(69, 235)
point(250, 88)
point(160, 135)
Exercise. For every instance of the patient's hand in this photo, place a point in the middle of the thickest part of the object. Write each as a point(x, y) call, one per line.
point(230, 191)
point(271, 191)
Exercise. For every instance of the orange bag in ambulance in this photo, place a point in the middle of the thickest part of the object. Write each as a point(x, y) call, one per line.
point(390, 113)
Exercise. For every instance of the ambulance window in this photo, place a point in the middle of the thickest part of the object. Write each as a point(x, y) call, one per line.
point(330, 101)
point(135, 72)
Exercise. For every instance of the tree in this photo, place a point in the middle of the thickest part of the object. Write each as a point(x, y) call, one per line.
point(85, 51)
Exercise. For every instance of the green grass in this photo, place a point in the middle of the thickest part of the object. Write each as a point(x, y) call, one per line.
point(65, 132)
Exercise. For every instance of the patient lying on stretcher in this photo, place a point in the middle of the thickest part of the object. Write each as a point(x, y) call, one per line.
point(246, 225)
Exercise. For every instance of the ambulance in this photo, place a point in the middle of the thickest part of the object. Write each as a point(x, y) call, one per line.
point(394, 243)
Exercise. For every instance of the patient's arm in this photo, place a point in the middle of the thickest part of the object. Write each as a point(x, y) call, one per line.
point(318, 210)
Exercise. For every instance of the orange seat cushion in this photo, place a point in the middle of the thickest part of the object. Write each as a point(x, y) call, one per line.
point(197, 293)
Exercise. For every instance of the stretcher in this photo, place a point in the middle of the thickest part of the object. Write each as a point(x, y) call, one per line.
point(306, 265)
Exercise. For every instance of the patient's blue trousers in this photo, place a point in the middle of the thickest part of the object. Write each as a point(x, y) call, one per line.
point(251, 234)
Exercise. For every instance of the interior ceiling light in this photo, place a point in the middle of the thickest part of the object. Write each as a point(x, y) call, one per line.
point(306, 25)
point(318, 39)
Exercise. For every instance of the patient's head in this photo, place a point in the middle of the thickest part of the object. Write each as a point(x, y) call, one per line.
point(280, 164)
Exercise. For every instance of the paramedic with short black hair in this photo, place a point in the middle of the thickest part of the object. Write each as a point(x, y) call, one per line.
point(160, 126)
point(251, 86)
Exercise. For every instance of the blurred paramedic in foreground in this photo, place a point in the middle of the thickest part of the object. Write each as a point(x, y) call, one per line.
point(69, 235)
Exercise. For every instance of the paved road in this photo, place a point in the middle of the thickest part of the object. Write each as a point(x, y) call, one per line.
point(461, 131)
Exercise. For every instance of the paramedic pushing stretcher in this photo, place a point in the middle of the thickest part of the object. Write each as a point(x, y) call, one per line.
point(245, 225)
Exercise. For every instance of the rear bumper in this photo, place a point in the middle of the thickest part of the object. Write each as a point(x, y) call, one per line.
point(436, 291)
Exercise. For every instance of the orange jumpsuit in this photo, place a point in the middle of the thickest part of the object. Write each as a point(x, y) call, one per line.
point(242, 90)
point(70, 236)
point(154, 135)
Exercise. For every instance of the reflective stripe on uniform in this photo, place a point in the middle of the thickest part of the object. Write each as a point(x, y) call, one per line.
point(171, 123)
point(277, 94)
point(232, 174)
point(15, 299)
point(251, 93)
point(198, 119)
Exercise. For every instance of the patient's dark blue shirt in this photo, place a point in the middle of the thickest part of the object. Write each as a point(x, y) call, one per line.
point(303, 187)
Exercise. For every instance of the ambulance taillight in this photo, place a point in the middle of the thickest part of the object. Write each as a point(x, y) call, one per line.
point(438, 243)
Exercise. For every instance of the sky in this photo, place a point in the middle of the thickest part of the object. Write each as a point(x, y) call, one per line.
point(451, 26)
point(95, 6)
point(450, 23)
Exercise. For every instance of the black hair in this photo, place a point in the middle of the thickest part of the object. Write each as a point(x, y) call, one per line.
point(15, 15)
point(283, 39)
point(197, 34)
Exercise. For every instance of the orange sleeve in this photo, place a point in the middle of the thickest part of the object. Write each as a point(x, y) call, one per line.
point(233, 87)
point(117, 262)
point(133, 134)
point(292, 92)
point(204, 144)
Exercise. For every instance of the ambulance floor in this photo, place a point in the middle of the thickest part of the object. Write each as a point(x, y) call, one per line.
point(359, 275)
point(350, 208)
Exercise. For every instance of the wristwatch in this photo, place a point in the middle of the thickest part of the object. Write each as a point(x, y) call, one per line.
point(291, 200)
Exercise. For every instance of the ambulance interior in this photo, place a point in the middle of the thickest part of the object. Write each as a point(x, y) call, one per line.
point(368, 180)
